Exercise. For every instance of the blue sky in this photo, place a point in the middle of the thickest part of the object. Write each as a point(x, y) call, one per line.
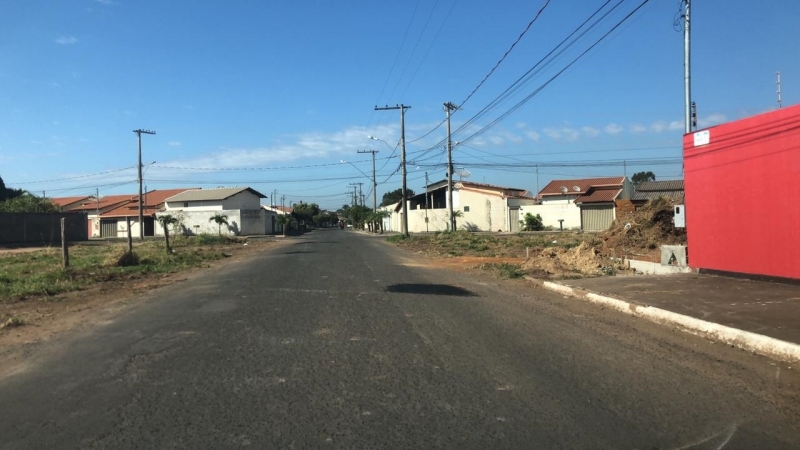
point(274, 95)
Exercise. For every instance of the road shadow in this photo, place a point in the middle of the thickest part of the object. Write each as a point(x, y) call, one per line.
point(430, 289)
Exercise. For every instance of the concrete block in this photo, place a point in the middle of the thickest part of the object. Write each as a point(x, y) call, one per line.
point(678, 251)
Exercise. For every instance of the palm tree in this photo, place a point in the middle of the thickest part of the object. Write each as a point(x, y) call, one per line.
point(286, 221)
point(166, 220)
point(380, 215)
point(220, 219)
point(456, 214)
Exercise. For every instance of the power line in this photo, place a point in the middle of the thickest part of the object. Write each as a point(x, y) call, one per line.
point(535, 92)
point(71, 178)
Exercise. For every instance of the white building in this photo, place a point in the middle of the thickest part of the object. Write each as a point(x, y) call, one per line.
point(587, 204)
point(194, 210)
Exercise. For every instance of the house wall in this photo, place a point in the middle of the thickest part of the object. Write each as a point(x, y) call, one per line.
point(207, 205)
point(243, 200)
point(240, 222)
point(559, 199)
point(551, 212)
point(741, 191)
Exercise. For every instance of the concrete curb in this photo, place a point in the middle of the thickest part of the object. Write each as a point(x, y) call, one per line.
point(752, 342)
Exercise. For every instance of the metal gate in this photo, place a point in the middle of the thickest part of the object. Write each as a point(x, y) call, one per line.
point(108, 228)
point(596, 217)
point(513, 220)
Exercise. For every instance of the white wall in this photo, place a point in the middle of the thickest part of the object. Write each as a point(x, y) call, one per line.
point(240, 222)
point(208, 205)
point(559, 199)
point(551, 212)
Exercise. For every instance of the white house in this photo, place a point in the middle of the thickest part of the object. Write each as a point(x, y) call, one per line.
point(242, 206)
point(587, 204)
point(483, 207)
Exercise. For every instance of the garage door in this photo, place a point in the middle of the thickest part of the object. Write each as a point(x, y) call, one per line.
point(108, 228)
point(513, 220)
point(596, 217)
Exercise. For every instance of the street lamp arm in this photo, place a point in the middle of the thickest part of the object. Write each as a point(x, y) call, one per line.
point(384, 142)
point(362, 172)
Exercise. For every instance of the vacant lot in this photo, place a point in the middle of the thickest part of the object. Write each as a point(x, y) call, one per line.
point(33, 282)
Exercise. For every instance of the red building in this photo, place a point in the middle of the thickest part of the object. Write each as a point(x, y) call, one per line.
point(742, 192)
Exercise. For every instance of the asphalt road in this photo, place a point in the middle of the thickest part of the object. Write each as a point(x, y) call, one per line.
point(338, 340)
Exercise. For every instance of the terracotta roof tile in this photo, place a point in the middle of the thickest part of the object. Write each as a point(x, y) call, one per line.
point(583, 185)
point(599, 196)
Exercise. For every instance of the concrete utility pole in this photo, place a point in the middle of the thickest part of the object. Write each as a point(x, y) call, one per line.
point(779, 89)
point(402, 109)
point(447, 108)
point(357, 192)
point(139, 133)
point(374, 182)
point(426, 202)
point(687, 72)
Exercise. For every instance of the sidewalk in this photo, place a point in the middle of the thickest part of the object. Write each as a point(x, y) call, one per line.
point(750, 312)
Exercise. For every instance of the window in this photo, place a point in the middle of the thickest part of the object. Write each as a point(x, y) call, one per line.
point(185, 204)
point(466, 209)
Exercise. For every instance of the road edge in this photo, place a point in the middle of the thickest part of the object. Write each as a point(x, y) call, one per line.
point(745, 340)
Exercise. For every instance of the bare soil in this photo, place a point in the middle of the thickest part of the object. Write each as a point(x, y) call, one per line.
point(46, 316)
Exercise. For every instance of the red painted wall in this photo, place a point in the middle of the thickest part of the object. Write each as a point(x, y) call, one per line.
point(743, 196)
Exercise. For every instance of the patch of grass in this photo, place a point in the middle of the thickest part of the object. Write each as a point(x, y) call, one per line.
point(504, 270)
point(12, 322)
point(396, 238)
point(211, 239)
point(39, 274)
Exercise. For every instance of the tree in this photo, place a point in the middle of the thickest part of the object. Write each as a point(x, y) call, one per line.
point(166, 220)
point(532, 223)
point(6, 193)
point(285, 220)
point(380, 215)
point(220, 219)
point(638, 177)
point(27, 203)
point(392, 197)
point(304, 213)
point(456, 214)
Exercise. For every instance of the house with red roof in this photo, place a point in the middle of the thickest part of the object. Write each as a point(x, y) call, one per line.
point(588, 204)
point(113, 221)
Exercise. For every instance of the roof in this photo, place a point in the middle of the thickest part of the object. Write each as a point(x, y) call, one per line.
point(443, 184)
point(653, 190)
point(152, 202)
point(109, 201)
point(601, 195)
point(278, 209)
point(211, 194)
point(64, 201)
point(583, 185)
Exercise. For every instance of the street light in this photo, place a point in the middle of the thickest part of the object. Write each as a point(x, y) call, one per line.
point(348, 162)
point(384, 142)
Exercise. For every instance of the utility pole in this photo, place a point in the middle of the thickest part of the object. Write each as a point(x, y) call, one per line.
point(426, 202)
point(374, 182)
point(687, 81)
point(139, 133)
point(357, 193)
point(97, 202)
point(537, 180)
point(779, 89)
point(402, 109)
point(449, 106)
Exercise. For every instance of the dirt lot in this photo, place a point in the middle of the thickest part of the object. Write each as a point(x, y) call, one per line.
point(95, 287)
point(554, 255)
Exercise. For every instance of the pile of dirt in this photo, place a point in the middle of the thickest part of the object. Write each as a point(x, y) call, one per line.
point(645, 229)
point(576, 262)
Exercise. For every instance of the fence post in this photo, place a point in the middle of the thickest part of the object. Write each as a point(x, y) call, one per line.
point(130, 239)
point(64, 246)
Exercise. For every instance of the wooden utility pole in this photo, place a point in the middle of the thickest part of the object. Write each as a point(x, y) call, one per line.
point(449, 106)
point(402, 109)
point(64, 245)
point(139, 133)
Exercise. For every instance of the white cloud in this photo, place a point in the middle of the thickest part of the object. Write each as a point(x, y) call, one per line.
point(532, 135)
point(105, 2)
point(496, 140)
point(66, 40)
point(613, 129)
point(511, 137)
point(659, 127)
point(675, 125)
point(521, 125)
point(562, 133)
point(174, 144)
point(638, 128)
point(590, 131)
point(54, 84)
point(711, 119)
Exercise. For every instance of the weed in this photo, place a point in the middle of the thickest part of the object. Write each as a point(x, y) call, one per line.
point(396, 238)
point(12, 322)
point(504, 270)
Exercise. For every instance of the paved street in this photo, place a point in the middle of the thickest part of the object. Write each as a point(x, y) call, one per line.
point(338, 340)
